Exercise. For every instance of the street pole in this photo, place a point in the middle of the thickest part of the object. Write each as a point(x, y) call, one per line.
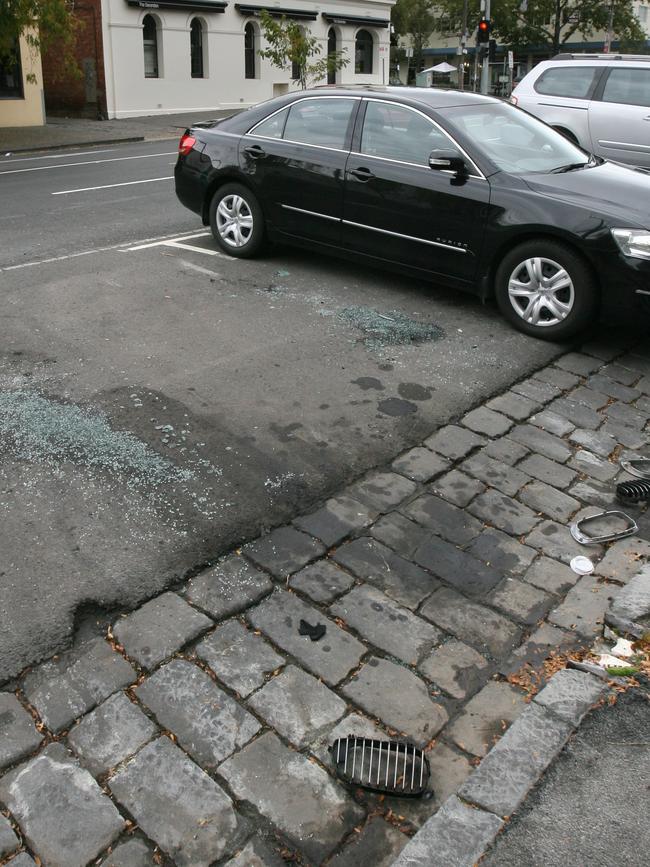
point(485, 69)
point(461, 52)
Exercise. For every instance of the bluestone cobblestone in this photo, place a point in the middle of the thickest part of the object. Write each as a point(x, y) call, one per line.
point(611, 388)
point(484, 629)
point(552, 422)
point(457, 488)
point(501, 552)
point(74, 683)
point(208, 724)
point(578, 363)
point(111, 733)
point(514, 405)
point(18, 734)
point(594, 441)
point(313, 812)
point(538, 440)
point(256, 853)
point(521, 601)
point(505, 450)
point(421, 464)
point(176, 804)
point(331, 658)
point(399, 533)
point(239, 657)
point(557, 377)
point(583, 609)
point(570, 694)
point(64, 816)
point(453, 524)
point(322, 581)
point(8, 839)
point(456, 567)
point(495, 473)
point(455, 442)
point(455, 667)
point(382, 491)
point(548, 471)
point(378, 844)
point(384, 623)
point(543, 642)
point(588, 396)
point(540, 392)
point(618, 373)
point(551, 576)
point(284, 551)
point(399, 698)
point(485, 421)
point(132, 853)
point(504, 513)
point(624, 558)
point(485, 717)
point(338, 518)
point(398, 578)
point(549, 501)
point(591, 465)
point(626, 415)
point(229, 587)
point(555, 540)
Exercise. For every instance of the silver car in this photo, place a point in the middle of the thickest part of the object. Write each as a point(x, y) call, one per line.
point(599, 101)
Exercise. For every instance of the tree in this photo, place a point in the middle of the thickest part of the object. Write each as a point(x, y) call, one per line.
point(415, 19)
point(42, 23)
point(291, 46)
point(550, 23)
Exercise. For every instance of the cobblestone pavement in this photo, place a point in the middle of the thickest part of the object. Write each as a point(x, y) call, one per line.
point(195, 730)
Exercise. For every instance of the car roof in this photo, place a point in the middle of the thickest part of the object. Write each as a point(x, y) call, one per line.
point(432, 97)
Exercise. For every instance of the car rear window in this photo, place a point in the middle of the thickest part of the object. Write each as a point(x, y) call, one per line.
point(321, 122)
point(629, 86)
point(575, 82)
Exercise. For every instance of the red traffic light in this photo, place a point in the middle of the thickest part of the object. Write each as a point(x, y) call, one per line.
point(483, 33)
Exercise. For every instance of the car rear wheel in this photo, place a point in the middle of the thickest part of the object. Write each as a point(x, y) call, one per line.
point(237, 221)
point(545, 289)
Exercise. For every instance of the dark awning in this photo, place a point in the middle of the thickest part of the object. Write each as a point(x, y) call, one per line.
point(187, 5)
point(276, 12)
point(339, 18)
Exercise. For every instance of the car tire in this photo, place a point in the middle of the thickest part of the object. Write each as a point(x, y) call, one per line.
point(546, 289)
point(237, 221)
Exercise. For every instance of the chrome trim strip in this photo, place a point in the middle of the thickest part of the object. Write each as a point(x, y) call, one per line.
point(415, 165)
point(303, 144)
point(288, 105)
point(406, 237)
point(642, 291)
point(311, 213)
point(433, 123)
point(559, 105)
point(623, 146)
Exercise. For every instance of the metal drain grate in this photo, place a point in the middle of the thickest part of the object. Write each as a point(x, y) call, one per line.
point(394, 767)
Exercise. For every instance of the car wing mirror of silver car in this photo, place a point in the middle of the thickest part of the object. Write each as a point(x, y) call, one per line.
point(447, 160)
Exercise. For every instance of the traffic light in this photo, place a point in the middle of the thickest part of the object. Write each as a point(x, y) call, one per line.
point(483, 32)
point(492, 50)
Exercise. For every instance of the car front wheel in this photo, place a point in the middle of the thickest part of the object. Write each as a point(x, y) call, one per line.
point(545, 289)
point(237, 221)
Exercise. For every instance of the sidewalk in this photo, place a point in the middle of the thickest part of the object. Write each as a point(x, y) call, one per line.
point(61, 132)
point(195, 730)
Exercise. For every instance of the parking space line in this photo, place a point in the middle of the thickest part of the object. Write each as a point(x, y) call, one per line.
point(85, 163)
point(56, 156)
point(110, 186)
point(167, 240)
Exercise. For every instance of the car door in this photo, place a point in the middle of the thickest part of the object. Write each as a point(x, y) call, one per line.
point(295, 161)
point(398, 208)
point(619, 115)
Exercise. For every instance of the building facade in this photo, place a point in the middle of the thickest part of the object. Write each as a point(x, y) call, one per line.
point(165, 56)
point(21, 99)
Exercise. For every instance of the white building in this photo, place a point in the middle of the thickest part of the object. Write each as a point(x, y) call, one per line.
point(164, 56)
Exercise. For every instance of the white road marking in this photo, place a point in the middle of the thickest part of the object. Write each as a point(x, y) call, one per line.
point(110, 186)
point(198, 268)
point(179, 244)
point(88, 252)
point(57, 156)
point(86, 163)
point(157, 242)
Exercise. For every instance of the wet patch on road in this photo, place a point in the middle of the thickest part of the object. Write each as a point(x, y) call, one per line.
point(395, 406)
point(365, 383)
point(413, 391)
point(394, 329)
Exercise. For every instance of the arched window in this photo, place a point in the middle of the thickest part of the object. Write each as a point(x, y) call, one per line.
point(196, 48)
point(331, 49)
point(249, 50)
point(363, 47)
point(150, 44)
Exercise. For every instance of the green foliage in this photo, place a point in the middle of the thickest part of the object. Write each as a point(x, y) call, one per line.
point(43, 23)
point(549, 23)
point(416, 19)
point(290, 45)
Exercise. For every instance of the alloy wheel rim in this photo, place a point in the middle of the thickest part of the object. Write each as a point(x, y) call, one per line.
point(541, 292)
point(234, 220)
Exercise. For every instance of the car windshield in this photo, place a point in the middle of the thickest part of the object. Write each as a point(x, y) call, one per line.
point(515, 141)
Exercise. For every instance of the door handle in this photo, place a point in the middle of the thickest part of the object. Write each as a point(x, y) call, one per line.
point(362, 174)
point(647, 118)
point(255, 151)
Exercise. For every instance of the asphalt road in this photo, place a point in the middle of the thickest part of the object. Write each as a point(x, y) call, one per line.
point(160, 402)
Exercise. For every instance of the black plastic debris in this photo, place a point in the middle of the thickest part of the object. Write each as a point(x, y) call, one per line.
point(314, 632)
point(390, 766)
point(633, 493)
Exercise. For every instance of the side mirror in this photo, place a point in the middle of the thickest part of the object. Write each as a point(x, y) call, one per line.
point(447, 160)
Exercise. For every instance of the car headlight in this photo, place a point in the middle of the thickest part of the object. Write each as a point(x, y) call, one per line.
point(633, 242)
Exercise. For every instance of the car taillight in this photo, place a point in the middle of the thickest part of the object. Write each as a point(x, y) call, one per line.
point(514, 100)
point(186, 144)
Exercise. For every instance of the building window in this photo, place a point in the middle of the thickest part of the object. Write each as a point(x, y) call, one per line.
point(196, 48)
point(150, 43)
point(331, 49)
point(249, 50)
point(11, 77)
point(363, 46)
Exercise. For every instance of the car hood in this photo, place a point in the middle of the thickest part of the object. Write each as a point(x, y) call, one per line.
point(620, 192)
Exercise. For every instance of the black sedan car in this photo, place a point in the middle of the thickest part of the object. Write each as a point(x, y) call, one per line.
point(458, 187)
